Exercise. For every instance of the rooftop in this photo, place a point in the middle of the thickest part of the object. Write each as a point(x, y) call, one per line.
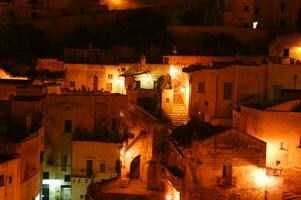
point(194, 130)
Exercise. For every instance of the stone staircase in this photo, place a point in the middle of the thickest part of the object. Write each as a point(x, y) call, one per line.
point(124, 183)
point(291, 196)
point(179, 115)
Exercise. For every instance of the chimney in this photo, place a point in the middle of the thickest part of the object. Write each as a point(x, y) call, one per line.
point(28, 122)
point(143, 59)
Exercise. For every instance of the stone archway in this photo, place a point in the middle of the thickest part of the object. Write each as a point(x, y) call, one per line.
point(135, 168)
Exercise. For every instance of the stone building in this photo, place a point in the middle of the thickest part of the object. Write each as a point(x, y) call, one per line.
point(10, 178)
point(211, 162)
point(74, 115)
point(277, 125)
point(92, 161)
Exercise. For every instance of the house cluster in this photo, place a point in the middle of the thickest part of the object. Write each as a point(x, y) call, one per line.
point(190, 127)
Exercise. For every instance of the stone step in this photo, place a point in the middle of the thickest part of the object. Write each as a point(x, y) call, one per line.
point(124, 183)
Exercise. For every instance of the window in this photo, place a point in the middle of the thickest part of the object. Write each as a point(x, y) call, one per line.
point(81, 196)
point(114, 124)
point(283, 146)
point(1, 180)
point(166, 60)
point(256, 10)
point(72, 84)
point(109, 87)
point(201, 87)
point(137, 84)
point(89, 168)
point(41, 156)
point(282, 23)
point(34, 2)
point(286, 52)
point(255, 24)
point(64, 162)
point(246, 8)
point(228, 91)
point(110, 76)
point(34, 15)
point(167, 100)
point(102, 168)
point(282, 9)
point(67, 178)
point(227, 174)
point(45, 175)
point(10, 179)
point(11, 14)
point(68, 126)
point(206, 103)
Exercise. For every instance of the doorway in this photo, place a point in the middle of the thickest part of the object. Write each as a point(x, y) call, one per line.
point(135, 168)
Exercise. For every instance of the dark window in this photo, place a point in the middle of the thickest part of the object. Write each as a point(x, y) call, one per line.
point(34, 2)
point(41, 156)
point(11, 14)
point(68, 126)
point(286, 52)
point(64, 159)
point(34, 15)
point(282, 9)
point(72, 83)
point(282, 23)
point(227, 91)
point(201, 87)
point(114, 124)
point(137, 84)
point(67, 178)
point(45, 175)
point(10, 179)
point(110, 76)
point(1, 180)
point(89, 168)
point(45, 192)
point(247, 8)
point(102, 168)
point(227, 174)
point(256, 11)
point(206, 103)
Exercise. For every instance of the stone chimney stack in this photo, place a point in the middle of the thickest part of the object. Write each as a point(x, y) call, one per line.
point(143, 59)
point(28, 122)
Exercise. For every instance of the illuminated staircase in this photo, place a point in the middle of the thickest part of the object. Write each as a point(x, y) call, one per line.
point(124, 183)
point(179, 114)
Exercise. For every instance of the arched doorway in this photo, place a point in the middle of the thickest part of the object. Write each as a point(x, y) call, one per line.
point(135, 168)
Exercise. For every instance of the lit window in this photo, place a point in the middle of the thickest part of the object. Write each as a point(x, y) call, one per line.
point(255, 24)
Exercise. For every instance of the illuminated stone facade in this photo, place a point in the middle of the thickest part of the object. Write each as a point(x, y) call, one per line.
point(278, 126)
